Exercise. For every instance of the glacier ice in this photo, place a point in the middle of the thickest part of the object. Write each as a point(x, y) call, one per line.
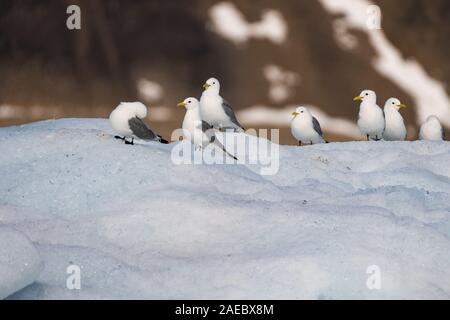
point(139, 226)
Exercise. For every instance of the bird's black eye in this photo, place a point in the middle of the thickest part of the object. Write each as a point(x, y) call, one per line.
point(189, 101)
point(301, 111)
point(393, 102)
point(367, 94)
point(214, 82)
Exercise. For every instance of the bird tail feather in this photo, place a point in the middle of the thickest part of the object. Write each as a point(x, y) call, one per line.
point(162, 140)
point(221, 146)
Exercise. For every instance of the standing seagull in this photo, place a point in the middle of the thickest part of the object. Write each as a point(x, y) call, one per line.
point(370, 117)
point(215, 110)
point(126, 120)
point(432, 130)
point(305, 128)
point(199, 132)
point(394, 127)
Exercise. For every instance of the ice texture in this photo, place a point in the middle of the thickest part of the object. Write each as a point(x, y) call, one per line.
point(20, 263)
point(139, 226)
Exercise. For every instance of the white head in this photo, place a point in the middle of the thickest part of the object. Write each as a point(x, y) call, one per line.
point(139, 109)
point(302, 112)
point(433, 119)
point(366, 95)
point(212, 84)
point(189, 103)
point(394, 102)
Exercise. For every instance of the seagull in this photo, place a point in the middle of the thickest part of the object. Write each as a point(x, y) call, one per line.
point(370, 117)
point(127, 120)
point(394, 126)
point(305, 128)
point(199, 132)
point(432, 130)
point(215, 110)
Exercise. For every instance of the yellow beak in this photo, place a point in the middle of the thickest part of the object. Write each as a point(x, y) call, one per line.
point(206, 86)
point(295, 113)
point(357, 98)
point(402, 105)
point(181, 104)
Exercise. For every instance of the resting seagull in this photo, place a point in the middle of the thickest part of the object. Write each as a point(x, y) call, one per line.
point(394, 127)
point(305, 128)
point(370, 117)
point(215, 110)
point(199, 132)
point(432, 130)
point(127, 120)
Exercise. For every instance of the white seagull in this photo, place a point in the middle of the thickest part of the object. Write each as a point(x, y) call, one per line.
point(394, 126)
point(127, 120)
point(305, 128)
point(432, 130)
point(370, 117)
point(197, 131)
point(215, 110)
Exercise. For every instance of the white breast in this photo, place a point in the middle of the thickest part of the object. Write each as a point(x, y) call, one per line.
point(119, 120)
point(192, 128)
point(371, 120)
point(395, 126)
point(302, 129)
point(211, 110)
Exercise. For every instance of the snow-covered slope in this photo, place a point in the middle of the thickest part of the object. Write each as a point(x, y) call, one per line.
point(140, 226)
point(20, 264)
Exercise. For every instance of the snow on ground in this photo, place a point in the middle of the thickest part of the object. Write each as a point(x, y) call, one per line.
point(140, 226)
point(408, 74)
point(20, 264)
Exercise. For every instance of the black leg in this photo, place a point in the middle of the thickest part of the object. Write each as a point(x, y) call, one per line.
point(129, 142)
point(119, 137)
point(300, 143)
point(368, 138)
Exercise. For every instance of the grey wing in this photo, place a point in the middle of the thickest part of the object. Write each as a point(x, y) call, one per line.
point(208, 130)
point(140, 129)
point(316, 126)
point(230, 113)
point(206, 126)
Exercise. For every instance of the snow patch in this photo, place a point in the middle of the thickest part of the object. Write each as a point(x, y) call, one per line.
point(11, 112)
point(280, 82)
point(231, 24)
point(149, 91)
point(343, 37)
